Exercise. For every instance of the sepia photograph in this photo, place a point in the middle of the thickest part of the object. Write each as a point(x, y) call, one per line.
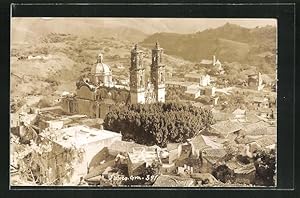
point(143, 102)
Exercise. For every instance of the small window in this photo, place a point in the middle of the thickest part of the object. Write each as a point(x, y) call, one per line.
point(141, 80)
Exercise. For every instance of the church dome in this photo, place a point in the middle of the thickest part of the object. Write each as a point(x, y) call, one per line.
point(101, 68)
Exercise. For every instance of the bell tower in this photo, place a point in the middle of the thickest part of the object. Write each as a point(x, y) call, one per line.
point(158, 73)
point(137, 76)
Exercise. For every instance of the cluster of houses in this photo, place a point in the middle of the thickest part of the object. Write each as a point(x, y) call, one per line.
point(193, 87)
point(82, 152)
point(206, 89)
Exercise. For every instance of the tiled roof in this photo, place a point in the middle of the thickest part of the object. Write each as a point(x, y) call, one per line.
point(258, 128)
point(232, 164)
point(123, 146)
point(213, 155)
point(212, 160)
point(220, 116)
point(239, 112)
point(265, 110)
point(252, 118)
point(214, 152)
point(272, 130)
point(245, 169)
point(267, 79)
point(199, 143)
point(258, 99)
point(225, 127)
point(239, 168)
point(98, 170)
point(245, 140)
point(267, 140)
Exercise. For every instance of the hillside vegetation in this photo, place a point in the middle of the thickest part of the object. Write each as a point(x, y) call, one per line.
point(230, 43)
point(59, 59)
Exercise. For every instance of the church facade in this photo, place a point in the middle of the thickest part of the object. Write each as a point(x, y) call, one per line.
point(96, 92)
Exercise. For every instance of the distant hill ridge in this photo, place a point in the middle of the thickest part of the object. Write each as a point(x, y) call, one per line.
point(27, 30)
point(229, 42)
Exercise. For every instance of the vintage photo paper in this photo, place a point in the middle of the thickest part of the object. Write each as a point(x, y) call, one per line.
point(148, 102)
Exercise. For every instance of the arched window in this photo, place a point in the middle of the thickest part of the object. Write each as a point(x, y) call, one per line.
point(140, 61)
point(161, 77)
point(133, 59)
point(141, 81)
point(160, 60)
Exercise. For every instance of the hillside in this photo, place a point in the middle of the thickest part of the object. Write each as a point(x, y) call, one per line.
point(30, 28)
point(59, 60)
point(231, 43)
point(62, 54)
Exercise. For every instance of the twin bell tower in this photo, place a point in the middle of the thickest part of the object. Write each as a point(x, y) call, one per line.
point(154, 89)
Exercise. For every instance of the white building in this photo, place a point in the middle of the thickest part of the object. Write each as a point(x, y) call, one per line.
point(71, 152)
point(205, 80)
point(217, 63)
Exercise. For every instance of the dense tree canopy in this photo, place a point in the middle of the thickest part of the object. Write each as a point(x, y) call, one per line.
point(158, 123)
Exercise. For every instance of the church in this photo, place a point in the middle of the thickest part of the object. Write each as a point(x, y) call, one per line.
point(97, 92)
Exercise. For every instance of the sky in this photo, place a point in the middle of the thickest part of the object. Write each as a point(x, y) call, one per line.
point(178, 25)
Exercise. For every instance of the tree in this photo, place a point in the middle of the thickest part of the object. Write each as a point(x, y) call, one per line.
point(223, 173)
point(158, 123)
point(265, 165)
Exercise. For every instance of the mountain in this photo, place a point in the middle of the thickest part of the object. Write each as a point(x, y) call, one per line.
point(176, 25)
point(132, 29)
point(229, 42)
point(28, 29)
